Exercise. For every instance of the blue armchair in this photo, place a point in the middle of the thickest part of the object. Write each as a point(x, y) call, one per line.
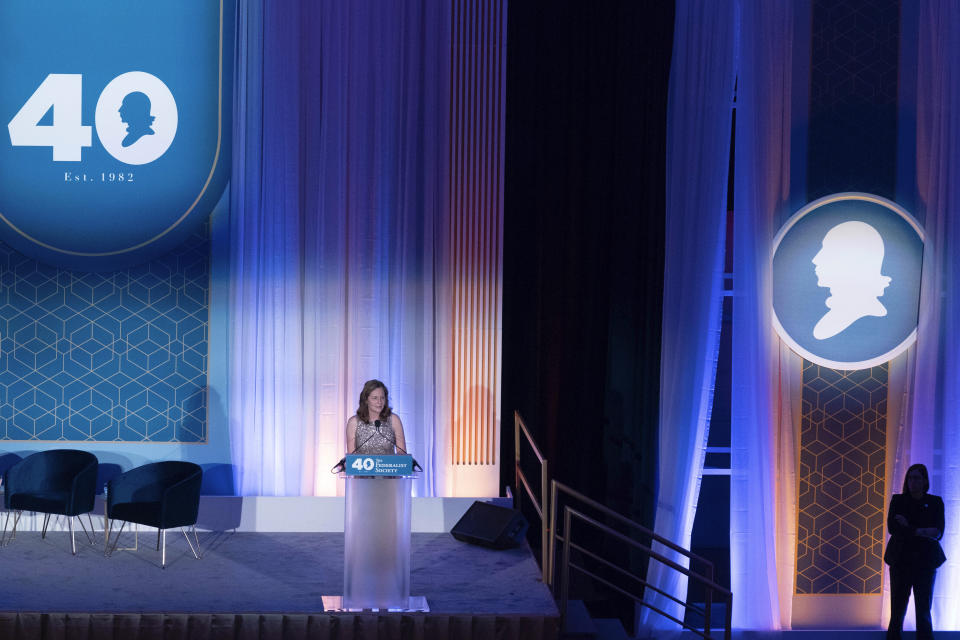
point(60, 482)
point(160, 494)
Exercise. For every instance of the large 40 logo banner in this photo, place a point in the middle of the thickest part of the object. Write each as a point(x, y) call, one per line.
point(117, 126)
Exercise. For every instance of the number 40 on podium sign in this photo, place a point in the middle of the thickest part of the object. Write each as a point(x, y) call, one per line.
point(378, 465)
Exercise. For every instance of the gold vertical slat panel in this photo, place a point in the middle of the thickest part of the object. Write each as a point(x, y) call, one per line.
point(478, 38)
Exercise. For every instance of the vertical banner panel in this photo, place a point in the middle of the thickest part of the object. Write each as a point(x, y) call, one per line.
point(846, 279)
point(855, 329)
point(114, 150)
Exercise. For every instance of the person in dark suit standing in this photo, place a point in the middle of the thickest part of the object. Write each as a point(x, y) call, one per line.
point(915, 523)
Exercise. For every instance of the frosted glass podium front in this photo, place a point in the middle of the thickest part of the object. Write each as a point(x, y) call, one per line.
point(376, 528)
point(376, 545)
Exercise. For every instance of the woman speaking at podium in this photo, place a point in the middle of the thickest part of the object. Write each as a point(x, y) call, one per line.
point(376, 546)
point(375, 429)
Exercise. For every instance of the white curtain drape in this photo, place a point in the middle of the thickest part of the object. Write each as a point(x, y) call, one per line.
point(337, 218)
point(762, 504)
point(933, 432)
point(698, 153)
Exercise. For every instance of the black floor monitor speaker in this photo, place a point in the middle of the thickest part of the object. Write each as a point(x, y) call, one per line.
point(491, 526)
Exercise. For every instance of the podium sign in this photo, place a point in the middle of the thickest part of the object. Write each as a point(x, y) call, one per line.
point(378, 465)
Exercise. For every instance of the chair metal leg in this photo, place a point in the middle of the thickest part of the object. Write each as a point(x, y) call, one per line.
point(73, 540)
point(158, 539)
point(110, 551)
point(196, 552)
point(83, 526)
point(3, 535)
point(13, 533)
point(16, 521)
point(107, 530)
point(46, 521)
point(163, 553)
point(136, 537)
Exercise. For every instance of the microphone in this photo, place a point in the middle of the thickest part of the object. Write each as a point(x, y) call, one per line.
point(342, 462)
point(377, 424)
point(393, 439)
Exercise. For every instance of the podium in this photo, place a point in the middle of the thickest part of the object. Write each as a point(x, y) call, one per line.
point(376, 527)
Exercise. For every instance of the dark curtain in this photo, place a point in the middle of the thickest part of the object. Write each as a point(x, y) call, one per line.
point(583, 241)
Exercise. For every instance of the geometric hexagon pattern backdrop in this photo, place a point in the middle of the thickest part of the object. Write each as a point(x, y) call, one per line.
point(840, 525)
point(118, 356)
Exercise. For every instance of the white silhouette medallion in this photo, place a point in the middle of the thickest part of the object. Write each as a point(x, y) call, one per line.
point(849, 263)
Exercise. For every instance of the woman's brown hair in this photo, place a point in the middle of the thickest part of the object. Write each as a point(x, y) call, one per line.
point(369, 387)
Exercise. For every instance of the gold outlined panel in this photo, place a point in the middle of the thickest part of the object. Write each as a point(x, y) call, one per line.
point(105, 357)
point(842, 467)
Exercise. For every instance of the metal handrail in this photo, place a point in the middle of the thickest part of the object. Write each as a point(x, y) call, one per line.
point(556, 487)
point(541, 506)
point(566, 565)
point(547, 511)
point(569, 513)
point(626, 573)
point(640, 546)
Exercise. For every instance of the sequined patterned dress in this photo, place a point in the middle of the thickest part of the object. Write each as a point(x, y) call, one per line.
point(370, 440)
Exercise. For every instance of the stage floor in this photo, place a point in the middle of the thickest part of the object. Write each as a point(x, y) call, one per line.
point(259, 573)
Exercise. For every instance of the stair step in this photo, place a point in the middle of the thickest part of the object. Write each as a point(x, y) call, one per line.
point(578, 623)
point(718, 616)
point(610, 629)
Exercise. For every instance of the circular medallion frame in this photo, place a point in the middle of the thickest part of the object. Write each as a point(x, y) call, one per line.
point(869, 340)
